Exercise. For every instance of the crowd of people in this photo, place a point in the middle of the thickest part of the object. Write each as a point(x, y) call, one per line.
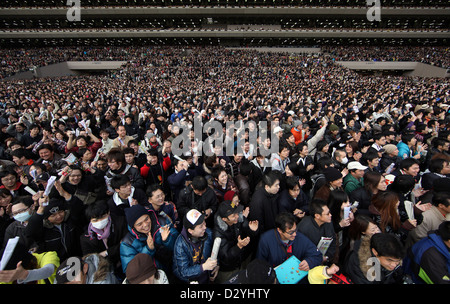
point(91, 184)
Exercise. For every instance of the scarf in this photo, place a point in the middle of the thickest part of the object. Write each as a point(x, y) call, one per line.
point(118, 201)
point(101, 234)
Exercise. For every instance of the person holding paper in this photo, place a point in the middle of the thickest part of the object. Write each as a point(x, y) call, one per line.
point(318, 227)
point(385, 211)
point(21, 210)
point(192, 252)
point(277, 245)
point(24, 267)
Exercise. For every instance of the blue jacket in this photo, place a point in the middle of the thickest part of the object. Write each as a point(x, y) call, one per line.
point(184, 267)
point(135, 242)
point(432, 258)
point(403, 149)
point(273, 250)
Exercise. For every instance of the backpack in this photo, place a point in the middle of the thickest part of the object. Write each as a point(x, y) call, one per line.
point(315, 178)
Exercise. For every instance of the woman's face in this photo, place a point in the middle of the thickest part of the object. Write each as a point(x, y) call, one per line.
point(223, 178)
point(5, 200)
point(75, 177)
point(372, 229)
point(382, 184)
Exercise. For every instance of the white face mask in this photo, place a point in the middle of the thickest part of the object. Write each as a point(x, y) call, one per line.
point(344, 160)
point(22, 217)
point(100, 224)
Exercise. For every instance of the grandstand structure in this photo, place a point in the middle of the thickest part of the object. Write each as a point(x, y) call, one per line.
point(223, 22)
point(309, 24)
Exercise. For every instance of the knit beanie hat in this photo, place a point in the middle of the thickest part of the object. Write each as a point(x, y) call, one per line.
point(332, 174)
point(134, 213)
point(389, 148)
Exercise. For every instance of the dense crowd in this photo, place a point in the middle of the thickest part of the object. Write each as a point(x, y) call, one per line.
point(91, 183)
point(14, 60)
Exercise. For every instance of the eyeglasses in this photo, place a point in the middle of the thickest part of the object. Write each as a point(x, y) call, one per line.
point(19, 211)
point(291, 232)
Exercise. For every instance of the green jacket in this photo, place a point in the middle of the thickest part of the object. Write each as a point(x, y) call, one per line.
point(351, 183)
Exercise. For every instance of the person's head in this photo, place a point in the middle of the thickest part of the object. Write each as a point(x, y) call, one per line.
point(195, 225)
point(138, 219)
point(102, 164)
point(72, 271)
point(303, 148)
point(19, 156)
point(229, 212)
point(46, 152)
point(333, 177)
point(121, 184)
point(286, 226)
point(319, 210)
point(115, 158)
point(362, 225)
point(439, 165)
point(104, 134)
point(387, 205)
point(356, 169)
point(379, 139)
point(155, 195)
point(85, 154)
point(121, 131)
point(410, 166)
point(402, 184)
point(340, 156)
point(22, 208)
point(76, 175)
point(441, 200)
point(388, 249)
point(199, 185)
point(374, 182)
point(6, 197)
point(129, 155)
point(292, 169)
point(81, 141)
point(337, 200)
point(284, 151)
point(55, 212)
point(98, 214)
point(220, 175)
point(8, 178)
point(141, 270)
point(371, 158)
point(409, 139)
point(444, 232)
point(271, 182)
point(293, 186)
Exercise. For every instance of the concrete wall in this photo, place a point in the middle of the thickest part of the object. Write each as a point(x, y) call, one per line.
point(411, 68)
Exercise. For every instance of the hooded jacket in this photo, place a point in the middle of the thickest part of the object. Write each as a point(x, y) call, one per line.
point(230, 255)
point(357, 267)
point(135, 242)
point(184, 266)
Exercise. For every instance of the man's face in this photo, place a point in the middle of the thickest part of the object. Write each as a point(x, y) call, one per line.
point(114, 165)
point(45, 154)
point(143, 224)
point(274, 188)
point(125, 189)
point(121, 131)
point(389, 263)
point(289, 233)
point(413, 170)
point(199, 230)
point(129, 158)
point(325, 217)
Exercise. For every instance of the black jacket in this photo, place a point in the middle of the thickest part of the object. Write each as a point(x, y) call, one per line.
point(189, 200)
point(264, 208)
point(230, 255)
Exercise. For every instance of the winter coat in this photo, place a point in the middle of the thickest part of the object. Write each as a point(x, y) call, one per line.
point(274, 251)
point(230, 255)
point(189, 200)
point(309, 227)
point(91, 244)
point(135, 242)
point(356, 267)
point(185, 268)
point(264, 208)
